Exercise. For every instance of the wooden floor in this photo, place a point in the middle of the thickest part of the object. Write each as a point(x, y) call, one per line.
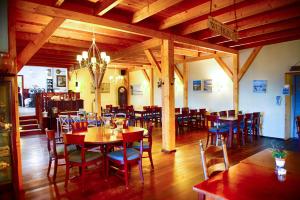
point(173, 177)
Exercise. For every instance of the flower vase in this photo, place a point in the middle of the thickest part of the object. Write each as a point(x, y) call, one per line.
point(280, 162)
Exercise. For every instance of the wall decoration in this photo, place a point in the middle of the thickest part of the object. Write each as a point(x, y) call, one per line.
point(92, 88)
point(207, 85)
point(105, 88)
point(196, 85)
point(58, 71)
point(286, 90)
point(60, 81)
point(259, 86)
point(136, 89)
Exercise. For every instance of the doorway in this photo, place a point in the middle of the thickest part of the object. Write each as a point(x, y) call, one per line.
point(295, 103)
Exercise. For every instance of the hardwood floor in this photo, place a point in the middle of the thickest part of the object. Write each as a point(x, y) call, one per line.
point(173, 177)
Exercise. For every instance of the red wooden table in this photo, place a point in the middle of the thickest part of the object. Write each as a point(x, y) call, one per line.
point(248, 181)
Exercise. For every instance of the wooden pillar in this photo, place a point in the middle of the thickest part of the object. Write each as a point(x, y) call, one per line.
point(151, 87)
point(98, 101)
point(185, 84)
point(235, 68)
point(168, 100)
point(127, 83)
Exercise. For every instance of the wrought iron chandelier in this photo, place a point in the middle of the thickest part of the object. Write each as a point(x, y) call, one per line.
point(93, 58)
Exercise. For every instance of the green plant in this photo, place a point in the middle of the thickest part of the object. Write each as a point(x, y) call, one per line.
point(278, 152)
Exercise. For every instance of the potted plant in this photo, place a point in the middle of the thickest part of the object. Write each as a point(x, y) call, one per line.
point(279, 154)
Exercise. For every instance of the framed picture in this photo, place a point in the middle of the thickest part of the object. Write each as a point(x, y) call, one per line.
point(60, 81)
point(259, 86)
point(136, 89)
point(207, 85)
point(105, 88)
point(197, 85)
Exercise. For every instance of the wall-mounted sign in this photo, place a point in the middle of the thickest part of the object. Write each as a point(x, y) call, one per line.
point(286, 90)
point(222, 29)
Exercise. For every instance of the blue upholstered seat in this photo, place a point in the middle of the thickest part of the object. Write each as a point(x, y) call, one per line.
point(75, 156)
point(60, 149)
point(136, 145)
point(131, 154)
point(220, 129)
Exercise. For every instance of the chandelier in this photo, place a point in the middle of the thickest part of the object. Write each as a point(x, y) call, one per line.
point(93, 58)
point(115, 78)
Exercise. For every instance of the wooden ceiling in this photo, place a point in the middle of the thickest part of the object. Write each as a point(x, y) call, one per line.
point(129, 29)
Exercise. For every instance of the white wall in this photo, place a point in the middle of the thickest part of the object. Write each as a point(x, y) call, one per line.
point(35, 77)
point(272, 62)
point(221, 97)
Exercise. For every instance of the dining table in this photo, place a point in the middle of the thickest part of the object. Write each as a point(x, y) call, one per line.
point(230, 121)
point(254, 178)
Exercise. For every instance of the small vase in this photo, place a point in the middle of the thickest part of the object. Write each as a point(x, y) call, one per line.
point(280, 162)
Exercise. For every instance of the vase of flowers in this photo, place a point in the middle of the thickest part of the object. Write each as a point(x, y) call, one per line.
point(280, 155)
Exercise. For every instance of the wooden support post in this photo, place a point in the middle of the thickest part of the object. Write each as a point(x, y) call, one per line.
point(185, 84)
point(128, 87)
point(151, 87)
point(235, 64)
point(168, 99)
point(98, 101)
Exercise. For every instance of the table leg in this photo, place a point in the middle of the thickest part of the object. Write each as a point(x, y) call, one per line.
point(230, 137)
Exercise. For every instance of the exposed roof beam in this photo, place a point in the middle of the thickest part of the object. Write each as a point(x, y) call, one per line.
point(106, 6)
point(224, 66)
point(59, 2)
point(197, 11)
point(246, 11)
point(146, 75)
point(152, 9)
point(204, 57)
point(149, 44)
point(39, 41)
point(152, 60)
point(248, 62)
point(178, 73)
point(113, 25)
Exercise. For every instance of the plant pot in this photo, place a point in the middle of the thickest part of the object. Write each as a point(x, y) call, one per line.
point(280, 162)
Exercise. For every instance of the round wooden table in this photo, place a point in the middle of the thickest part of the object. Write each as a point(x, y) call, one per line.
point(103, 136)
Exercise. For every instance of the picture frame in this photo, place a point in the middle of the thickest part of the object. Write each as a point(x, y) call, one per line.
point(197, 85)
point(105, 88)
point(259, 86)
point(136, 89)
point(207, 85)
point(61, 81)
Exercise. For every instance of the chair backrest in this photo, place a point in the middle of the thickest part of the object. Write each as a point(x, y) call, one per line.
point(70, 139)
point(129, 138)
point(177, 110)
point(256, 118)
point(231, 113)
point(210, 162)
point(64, 121)
point(223, 113)
point(78, 127)
point(214, 113)
point(120, 115)
point(75, 118)
point(193, 111)
point(240, 122)
point(298, 124)
point(51, 142)
point(213, 119)
point(185, 110)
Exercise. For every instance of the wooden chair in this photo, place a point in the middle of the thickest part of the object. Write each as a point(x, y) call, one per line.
point(194, 119)
point(79, 158)
point(223, 113)
point(248, 126)
point(78, 127)
point(55, 150)
point(213, 163)
point(127, 156)
point(92, 119)
point(231, 113)
point(64, 123)
point(215, 130)
point(298, 126)
point(239, 129)
point(147, 145)
point(202, 113)
point(256, 124)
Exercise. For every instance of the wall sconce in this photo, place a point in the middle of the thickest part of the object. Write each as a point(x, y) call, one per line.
point(160, 83)
point(76, 84)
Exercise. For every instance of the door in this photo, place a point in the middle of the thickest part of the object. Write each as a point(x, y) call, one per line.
point(122, 96)
point(296, 103)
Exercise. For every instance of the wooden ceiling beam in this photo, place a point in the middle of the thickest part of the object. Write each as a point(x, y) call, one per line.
point(153, 60)
point(224, 66)
point(202, 57)
point(113, 25)
point(38, 42)
point(197, 11)
point(269, 36)
point(149, 44)
point(146, 75)
point(248, 62)
point(106, 6)
point(255, 8)
point(178, 73)
point(59, 2)
point(152, 9)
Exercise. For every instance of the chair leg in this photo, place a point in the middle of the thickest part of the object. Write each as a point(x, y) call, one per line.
point(67, 174)
point(151, 161)
point(55, 168)
point(141, 170)
point(126, 175)
point(208, 135)
point(49, 166)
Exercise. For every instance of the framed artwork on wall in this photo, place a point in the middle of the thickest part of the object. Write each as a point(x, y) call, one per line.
point(60, 81)
point(259, 86)
point(207, 85)
point(136, 89)
point(105, 88)
point(196, 85)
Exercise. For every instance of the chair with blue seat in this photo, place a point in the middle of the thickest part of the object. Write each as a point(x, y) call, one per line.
point(127, 156)
point(215, 129)
point(147, 145)
point(248, 121)
point(80, 157)
point(256, 124)
point(78, 127)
